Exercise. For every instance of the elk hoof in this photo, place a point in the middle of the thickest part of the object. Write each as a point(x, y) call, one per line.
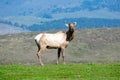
point(57, 62)
point(42, 64)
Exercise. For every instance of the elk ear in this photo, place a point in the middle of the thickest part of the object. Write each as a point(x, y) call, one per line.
point(67, 25)
point(75, 23)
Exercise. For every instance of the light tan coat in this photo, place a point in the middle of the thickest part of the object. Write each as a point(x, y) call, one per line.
point(59, 40)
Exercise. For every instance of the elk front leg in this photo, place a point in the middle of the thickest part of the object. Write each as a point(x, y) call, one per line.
point(59, 50)
point(63, 55)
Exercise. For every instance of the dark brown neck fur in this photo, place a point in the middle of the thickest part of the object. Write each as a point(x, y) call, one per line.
point(70, 35)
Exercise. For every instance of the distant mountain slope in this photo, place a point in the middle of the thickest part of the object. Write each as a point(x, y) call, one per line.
point(39, 24)
point(88, 46)
point(36, 15)
point(8, 29)
point(46, 9)
point(81, 23)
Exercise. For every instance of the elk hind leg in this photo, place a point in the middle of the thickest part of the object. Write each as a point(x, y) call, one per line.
point(37, 45)
point(39, 54)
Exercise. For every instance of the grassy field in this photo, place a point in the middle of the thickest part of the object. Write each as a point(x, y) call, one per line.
point(61, 72)
point(94, 54)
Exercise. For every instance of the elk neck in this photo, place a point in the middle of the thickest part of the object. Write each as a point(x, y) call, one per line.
point(70, 35)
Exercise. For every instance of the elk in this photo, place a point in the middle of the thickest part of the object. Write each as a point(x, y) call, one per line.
point(59, 40)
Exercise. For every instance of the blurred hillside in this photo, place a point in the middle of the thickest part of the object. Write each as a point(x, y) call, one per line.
point(89, 46)
point(36, 15)
point(61, 9)
point(39, 24)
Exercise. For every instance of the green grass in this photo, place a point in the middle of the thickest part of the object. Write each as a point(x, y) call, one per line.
point(97, 71)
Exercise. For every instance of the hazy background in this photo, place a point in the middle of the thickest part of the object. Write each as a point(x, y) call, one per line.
point(30, 17)
point(40, 15)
